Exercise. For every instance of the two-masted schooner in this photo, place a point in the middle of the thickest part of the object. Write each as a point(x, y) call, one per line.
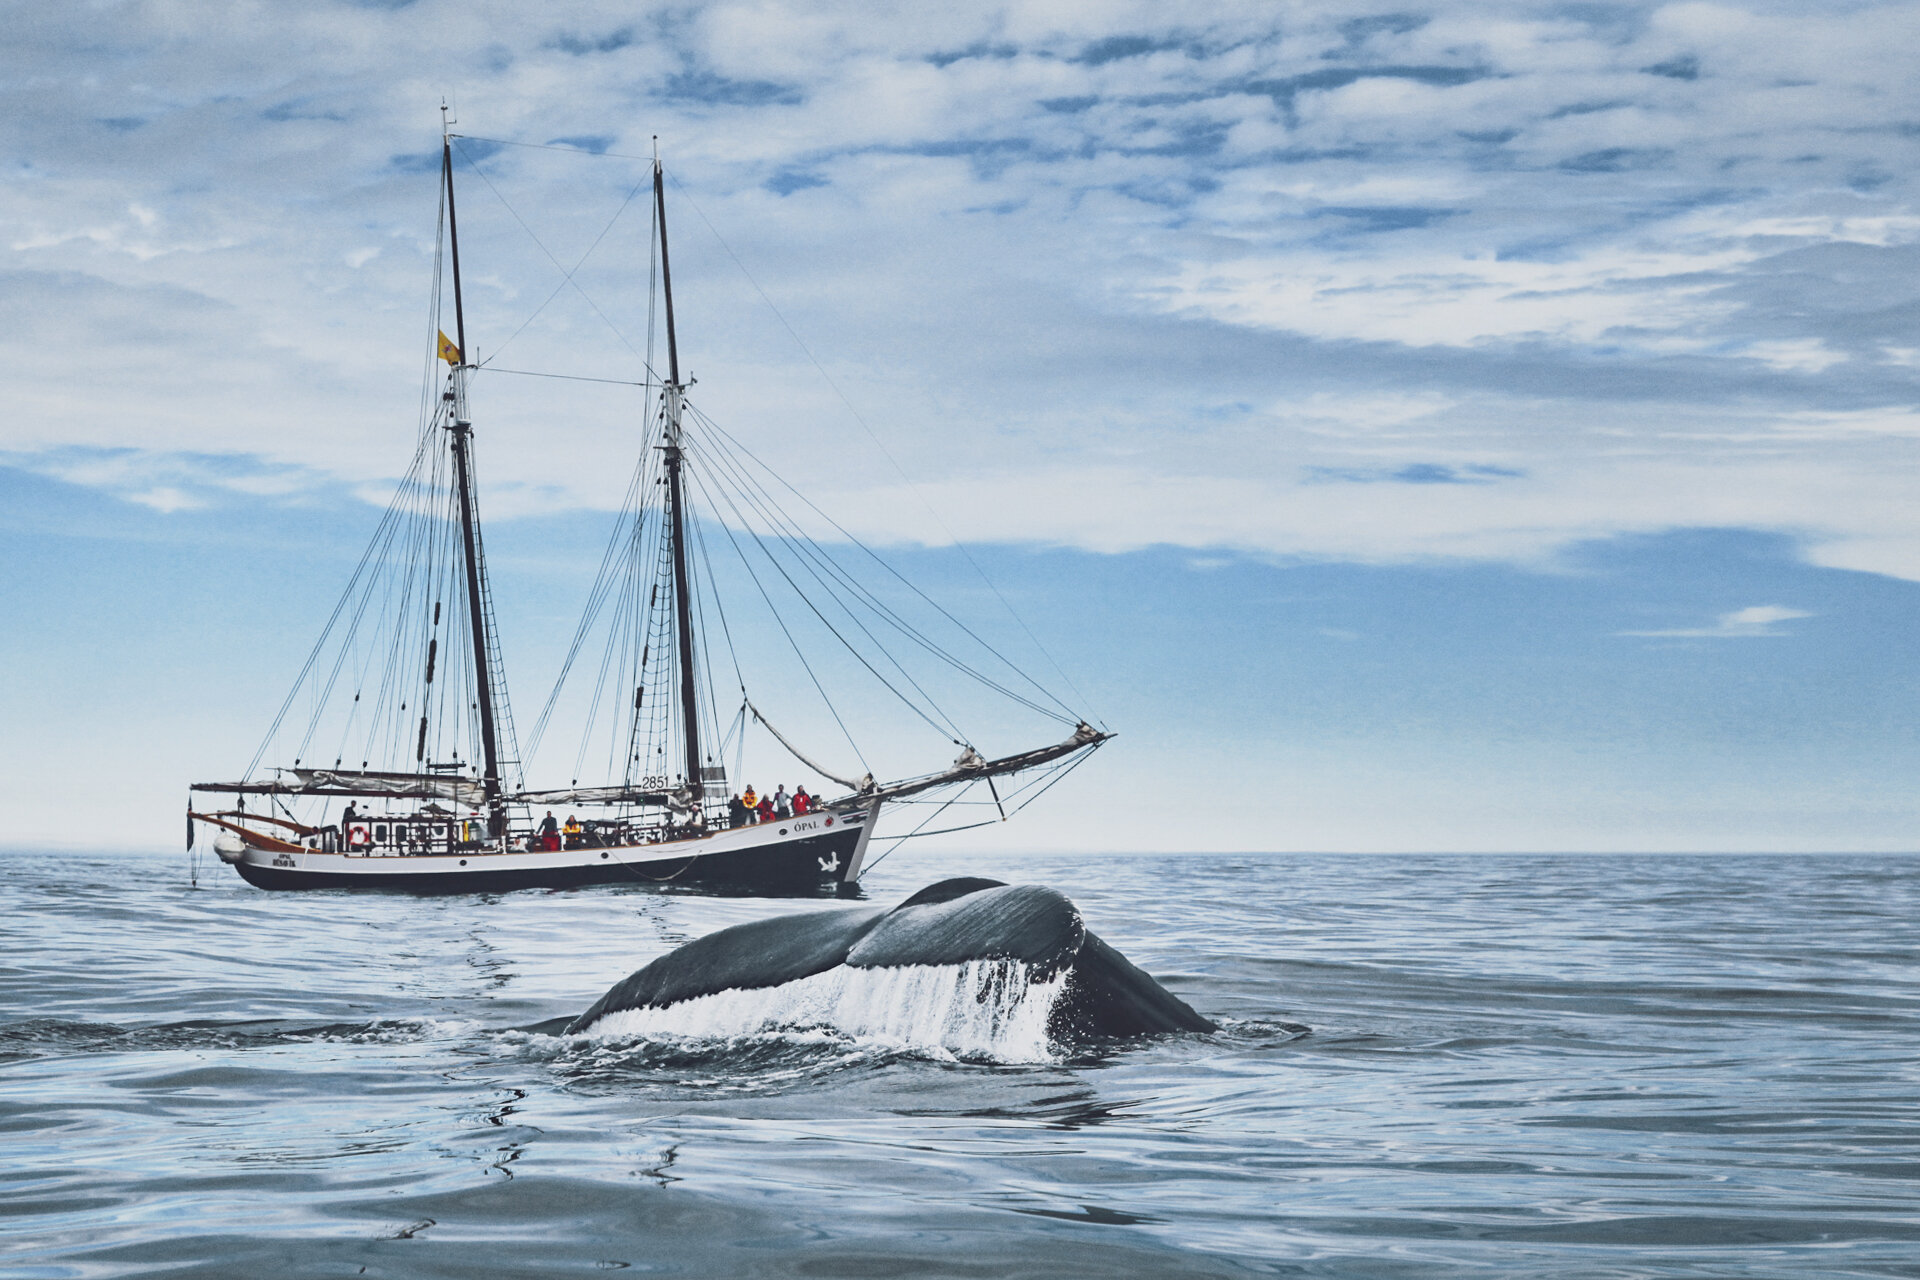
point(405, 771)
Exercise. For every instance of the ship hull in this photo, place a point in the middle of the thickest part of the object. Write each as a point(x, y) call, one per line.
point(796, 856)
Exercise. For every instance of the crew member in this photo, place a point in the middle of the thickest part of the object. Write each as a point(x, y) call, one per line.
point(573, 832)
point(782, 806)
point(736, 811)
point(802, 802)
point(549, 832)
point(751, 801)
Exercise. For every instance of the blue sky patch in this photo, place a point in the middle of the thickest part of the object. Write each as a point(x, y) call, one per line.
point(788, 181)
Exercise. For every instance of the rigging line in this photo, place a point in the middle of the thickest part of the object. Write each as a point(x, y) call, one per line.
point(548, 146)
point(429, 380)
point(387, 518)
point(576, 266)
point(700, 541)
point(774, 527)
point(618, 586)
point(567, 377)
point(627, 635)
point(845, 643)
point(943, 831)
point(874, 436)
point(378, 551)
point(550, 258)
point(325, 692)
point(1078, 760)
point(418, 531)
point(596, 594)
point(814, 557)
point(900, 840)
point(735, 726)
point(892, 616)
point(700, 620)
point(875, 556)
point(632, 634)
point(816, 551)
point(1014, 792)
point(719, 608)
point(782, 622)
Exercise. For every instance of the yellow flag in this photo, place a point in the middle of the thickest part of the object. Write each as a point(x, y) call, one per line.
point(449, 352)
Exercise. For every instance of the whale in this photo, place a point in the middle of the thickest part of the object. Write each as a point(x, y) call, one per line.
point(955, 922)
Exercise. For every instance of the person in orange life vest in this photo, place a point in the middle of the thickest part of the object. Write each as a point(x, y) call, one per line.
point(752, 802)
point(765, 810)
point(572, 831)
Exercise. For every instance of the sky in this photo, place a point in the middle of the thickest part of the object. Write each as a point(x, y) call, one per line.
point(1410, 427)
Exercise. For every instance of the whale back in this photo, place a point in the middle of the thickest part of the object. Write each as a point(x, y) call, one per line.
point(950, 923)
point(1108, 995)
point(1037, 926)
point(760, 953)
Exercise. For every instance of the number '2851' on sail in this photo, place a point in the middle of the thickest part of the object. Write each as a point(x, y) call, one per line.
point(400, 766)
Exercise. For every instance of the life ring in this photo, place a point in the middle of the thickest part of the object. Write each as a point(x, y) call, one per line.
point(359, 836)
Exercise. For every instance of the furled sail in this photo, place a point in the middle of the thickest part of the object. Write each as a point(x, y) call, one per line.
point(341, 782)
point(590, 795)
point(973, 767)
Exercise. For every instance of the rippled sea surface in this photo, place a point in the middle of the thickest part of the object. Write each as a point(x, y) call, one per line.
point(1430, 1066)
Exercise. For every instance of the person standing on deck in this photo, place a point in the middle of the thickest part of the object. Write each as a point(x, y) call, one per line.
point(752, 802)
point(782, 807)
point(736, 811)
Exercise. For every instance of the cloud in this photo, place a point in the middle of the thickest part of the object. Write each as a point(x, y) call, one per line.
point(1755, 620)
point(1418, 473)
point(1513, 276)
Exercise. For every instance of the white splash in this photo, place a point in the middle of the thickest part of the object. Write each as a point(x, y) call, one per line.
point(981, 1009)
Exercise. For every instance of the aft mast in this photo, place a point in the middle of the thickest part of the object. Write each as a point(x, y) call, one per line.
point(461, 428)
point(676, 508)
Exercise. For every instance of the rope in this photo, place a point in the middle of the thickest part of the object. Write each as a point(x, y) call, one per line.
point(776, 519)
point(615, 329)
point(832, 630)
point(913, 633)
point(797, 652)
point(900, 840)
point(568, 279)
point(568, 377)
point(872, 435)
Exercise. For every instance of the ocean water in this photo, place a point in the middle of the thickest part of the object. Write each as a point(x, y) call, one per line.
point(1430, 1066)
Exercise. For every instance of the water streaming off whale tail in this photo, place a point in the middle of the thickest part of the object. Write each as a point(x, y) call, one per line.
point(983, 1010)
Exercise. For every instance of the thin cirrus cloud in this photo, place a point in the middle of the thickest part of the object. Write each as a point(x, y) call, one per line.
point(1760, 620)
point(1474, 280)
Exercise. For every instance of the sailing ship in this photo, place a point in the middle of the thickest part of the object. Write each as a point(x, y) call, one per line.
point(408, 681)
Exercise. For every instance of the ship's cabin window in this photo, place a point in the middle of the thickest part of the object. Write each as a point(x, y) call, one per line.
point(380, 833)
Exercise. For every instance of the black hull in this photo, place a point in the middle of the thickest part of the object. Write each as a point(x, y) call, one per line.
point(790, 867)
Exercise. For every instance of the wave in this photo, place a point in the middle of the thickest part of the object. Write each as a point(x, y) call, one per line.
point(55, 1037)
point(983, 1010)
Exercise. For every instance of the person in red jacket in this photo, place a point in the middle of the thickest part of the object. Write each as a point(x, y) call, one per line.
point(765, 809)
point(802, 802)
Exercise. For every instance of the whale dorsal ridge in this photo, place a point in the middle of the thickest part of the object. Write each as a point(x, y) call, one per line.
point(1037, 926)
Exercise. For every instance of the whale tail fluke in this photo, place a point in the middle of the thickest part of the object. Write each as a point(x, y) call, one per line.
point(1109, 995)
point(1031, 930)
